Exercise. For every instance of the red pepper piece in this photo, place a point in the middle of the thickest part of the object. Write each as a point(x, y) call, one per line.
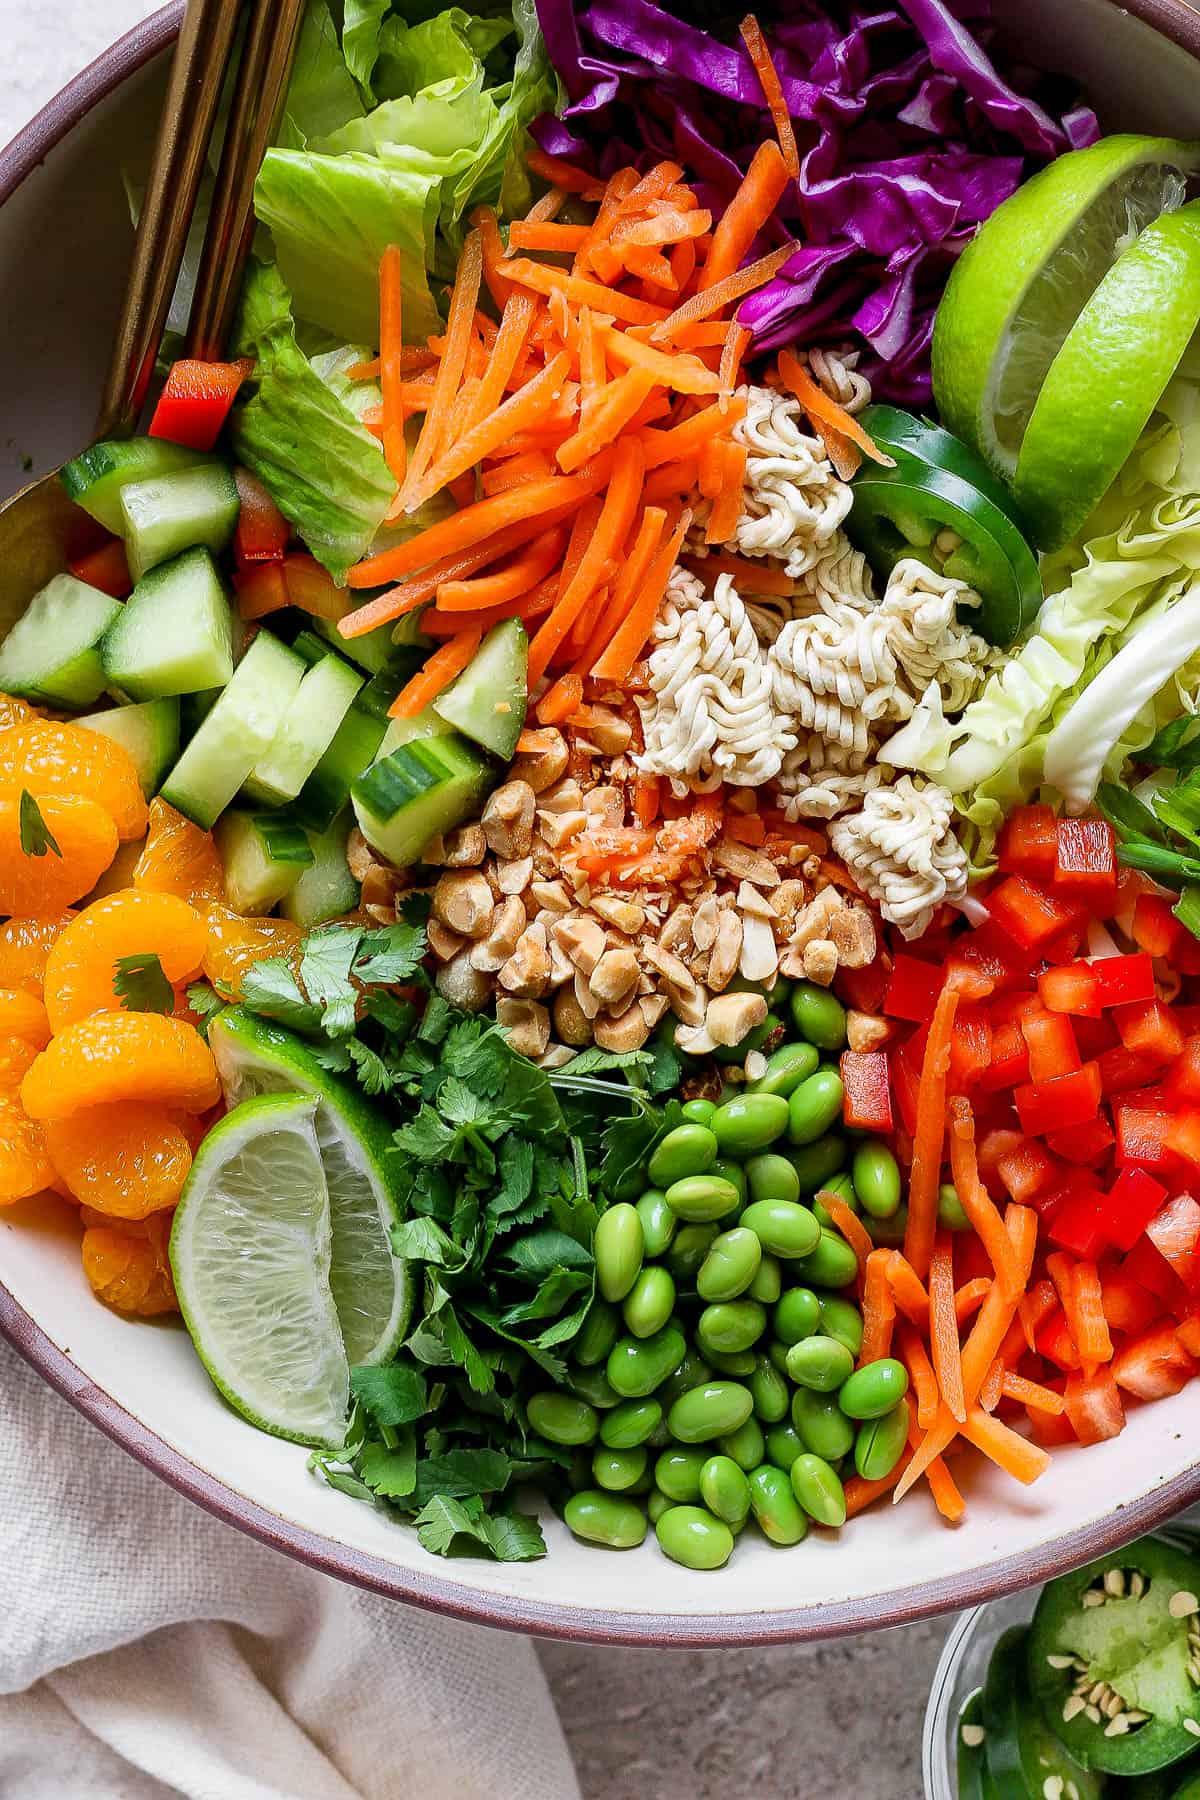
point(1094, 1036)
point(1069, 1099)
point(1154, 1364)
point(1078, 1224)
point(262, 531)
point(913, 989)
point(1175, 1234)
point(1128, 1306)
point(1123, 1071)
point(106, 569)
point(1028, 843)
point(1133, 1201)
point(195, 403)
point(990, 952)
point(1085, 1144)
point(1146, 1265)
point(1030, 915)
point(1054, 1341)
point(1052, 1047)
point(1142, 1137)
point(1086, 863)
point(1010, 1060)
point(867, 1101)
point(1183, 1134)
point(1188, 1332)
point(1094, 1405)
point(1147, 1025)
point(1124, 979)
point(1027, 1171)
point(863, 989)
point(1070, 989)
point(261, 589)
point(1155, 927)
point(970, 1047)
point(906, 1083)
point(312, 588)
point(1184, 1081)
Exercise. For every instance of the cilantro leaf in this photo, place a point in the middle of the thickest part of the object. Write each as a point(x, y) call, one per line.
point(393, 1395)
point(325, 965)
point(390, 956)
point(206, 1003)
point(390, 1472)
point(140, 985)
point(270, 989)
point(460, 1473)
point(36, 836)
point(423, 1240)
point(511, 1537)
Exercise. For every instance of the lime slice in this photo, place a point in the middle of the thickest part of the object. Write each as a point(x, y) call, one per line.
point(1109, 376)
point(370, 1286)
point(1022, 282)
point(250, 1257)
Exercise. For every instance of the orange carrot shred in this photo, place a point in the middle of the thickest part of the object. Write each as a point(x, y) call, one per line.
point(690, 436)
point(459, 331)
point(854, 1232)
point(520, 412)
point(878, 1304)
point(542, 279)
point(1012, 1453)
point(634, 569)
point(977, 1203)
point(732, 352)
point(930, 1133)
point(817, 403)
point(391, 361)
point(909, 1289)
point(993, 1385)
point(942, 1484)
point(626, 644)
point(437, 674)
point(751, 575)
point(772, 88)
point(746, 214)
point(1032, 1393)
point(969, 1297)
point(561, 701)
point(612, 527)
point(561, 174)
point(541, 234)
point(611, 411)
point(920, 1373)
point(943, 1329)
point(531, 565)
point(1090, 1327)
point(727, 507)
point(719, 296)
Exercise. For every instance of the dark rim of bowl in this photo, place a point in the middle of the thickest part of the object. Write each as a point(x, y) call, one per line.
point(1174, 19)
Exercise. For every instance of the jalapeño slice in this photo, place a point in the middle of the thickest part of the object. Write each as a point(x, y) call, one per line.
point(1024, 1757)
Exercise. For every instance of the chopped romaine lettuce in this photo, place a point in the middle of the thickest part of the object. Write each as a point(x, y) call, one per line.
point(322, 94)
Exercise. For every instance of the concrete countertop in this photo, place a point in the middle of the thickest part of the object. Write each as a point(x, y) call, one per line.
point(821, 1722)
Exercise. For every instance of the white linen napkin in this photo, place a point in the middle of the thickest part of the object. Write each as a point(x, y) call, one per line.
point(149, 1651)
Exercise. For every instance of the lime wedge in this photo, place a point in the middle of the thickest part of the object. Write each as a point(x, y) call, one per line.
point(1022, 282)
point(1109, 376)
point(370, 1286)
point(250, 1257)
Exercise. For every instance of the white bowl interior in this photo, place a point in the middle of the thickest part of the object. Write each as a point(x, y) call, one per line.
point(888, 1565)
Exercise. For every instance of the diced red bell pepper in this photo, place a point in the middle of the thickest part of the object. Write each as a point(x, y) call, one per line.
point(970, 1046)
point(1064, 946)
point(906, 1085)
point(1175, 1234)
point(1028, 1170)
point(1050, 1429)
point(1147, 1025)
point(994, 1146)
point(1054, 1341)
point(313, 589)
point(1128, 1306)
point(1185, 956)
point(863, 989)
point(1086, 863)
point(1094, 1036)
point(1183, 1134)
point(1094, 1406)
point(1010, 1060)
point(867, 1097)
point(1052, 1047)
point(1187, 1018)
point(261, 589)
point(1079, 1224)
point(1146, 1265)
point(1070, 1099)
point(262, 532)
point(1133, 1200)
point(1124, 979)
point(1142, 1137)
point(1028, 843)
point(195, 403)
point(912, 990)
point(1188, 1330)
point(106, 569)
point(1123, 1071)
point(1070, 989)
point(1154, 1364)
point(1183, 1084)
point(1029, 915)
point(1083, 1144)
point(1155, 927)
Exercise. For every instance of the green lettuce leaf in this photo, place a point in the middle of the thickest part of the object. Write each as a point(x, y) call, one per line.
point(361, 20)
point(322, 94)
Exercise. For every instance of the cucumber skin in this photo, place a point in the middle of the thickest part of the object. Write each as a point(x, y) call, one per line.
point(447, 778)
point(326, 693)
point(209, 514)
point(327, 790)
point(95, 479)
point(497, 676)
point(79, 679)
point(254, 880)
point(236, 732)
point(174, 635)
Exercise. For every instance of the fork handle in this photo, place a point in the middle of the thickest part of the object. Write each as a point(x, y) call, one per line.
point(201, 58)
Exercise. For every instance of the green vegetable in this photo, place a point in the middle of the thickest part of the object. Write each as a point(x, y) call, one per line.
point(709, 1411)
point(693, 1537)
point(874, 1390)
point(819, 1362)
point(819, 1490)
point(141, 986)
point(730, 1326)
point(774, 1506)
point(600, 1518)
point(618, 1470)
point(37, 839)
point(814, 1106)
point(725, 1490)
point(880, 1443)
point(702, 1198)
point(782, 1226)
point(818, 1016)
point(730, 1266)
point(649, 1302)
point(617, 1247)
point(748, 1123)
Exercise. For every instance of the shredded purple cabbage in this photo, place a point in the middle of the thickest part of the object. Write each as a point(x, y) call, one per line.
point(909, 138)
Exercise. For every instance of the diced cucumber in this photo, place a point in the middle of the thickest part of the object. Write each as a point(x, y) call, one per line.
point(236, 732)
point(425, 724)
point(170, 513)
point(174, 635)
point(328, 889)
point(264, 855)
point(350, 755)
point(53, 650)
point(421, 789)
point(310, 725)
point(308, 645)
point(488, 700)
point(95, 479)
point(194, 709)
point(149, 732)
point(372, 652)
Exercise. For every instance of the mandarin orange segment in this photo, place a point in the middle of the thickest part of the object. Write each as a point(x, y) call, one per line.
point(235, 944)
point(126, 1160)
point(45, 886)
point(179, 859)
point(25, 1167)
point(16, 1059)
point(24, 946)
point(22, 1015)
point(121, 1056)
point(14, 712)
point(49, 758)
point(130, 1274)
point(82, 966)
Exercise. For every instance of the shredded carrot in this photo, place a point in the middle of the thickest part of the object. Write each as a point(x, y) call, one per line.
point(977, 1203)
point(405, 598)
point(772, 87)
point(969, 1297)
point(561, 701)
point(683, 372)
point(520, 412)
point(561, 174)
point(727, 507)
point(391, 361)
point(612, 527)
point(526, 234)
point(860, 1492)
point(920, 1373)
point(818, 405)
point(611, 411)
point(878, 1305)
point(929, 1136)
point(647, 794)
point(751, 576)
point(438, 624)
point(531, 565)
point(459, 325)
point(720, 296)
point(909, 1289)
point(1090, 1327)
point(535, 465)
point(734, 348)
point(943, 1328)
point(1009, 1451)
point(689, 437)
point(580, 291)
point(626, 644)
point(854, 1232)
point(993, 1381)
point(438, 673)
point(1032, 1393)
point(1035, 1308)
point(746, 214)
point(942, 1485)
point(667, 227)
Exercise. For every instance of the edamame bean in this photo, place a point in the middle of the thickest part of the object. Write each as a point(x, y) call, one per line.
point(951, 1214)
point(699, 1198)
point(688, 1250)
point(820, 1363)
point(725, 1490)
point(797, 1315)
point(579, 1470)
point(768, 1283)
point(649, 1303)
point(637, 1366)
point(784, 1445)
point(728, 1170)
point(599, 1332)
point(821, 1424)
point(692, 1372)
point(774, 1506)
point(656, 1504)
point(746, 1445)
point(600, 1518)
point(692, 1536)
point(769, 1392)
point(562, 1418)
point(632, 1423)
point(709, 1411)
point(818, 1489)
point(750, 1123)
point(819, 1016)
point(593, 1386)
point(677, 1474)
point(738, 1363)
point(730, 1266)
point(814, 1106)
point(817, 1164)
point(842, 1320)
point(658, 1222)
point(778, 1355)
point(688, 1150)
point(730, 1325)
point(880, 1443)
point(617, 1246)
point(831, 1264)
point(619, 1470)
point(786, 1068)
point(876, 1176)
point(783, 1227)
point(874, 1390)
point(772, 1177)
point(889, 1233)
point(698, 1112)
